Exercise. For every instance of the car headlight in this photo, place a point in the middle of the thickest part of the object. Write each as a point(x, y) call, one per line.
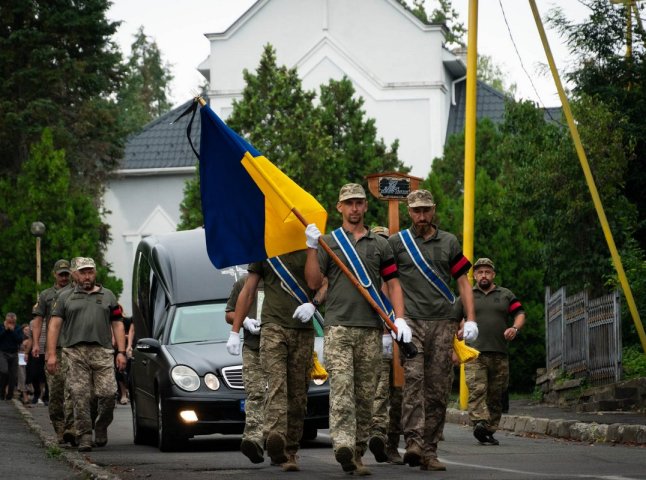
point(185, 378)
point(211, 381)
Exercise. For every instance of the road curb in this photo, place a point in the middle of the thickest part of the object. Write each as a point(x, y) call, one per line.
point(562, 428)
point(72, 457)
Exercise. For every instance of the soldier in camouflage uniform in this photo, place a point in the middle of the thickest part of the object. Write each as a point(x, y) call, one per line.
point(353, 330)
point(61, 412)
point(430, 317)
point(252, 374)
point(488, 376)
point(85, 318)
point(286, 347)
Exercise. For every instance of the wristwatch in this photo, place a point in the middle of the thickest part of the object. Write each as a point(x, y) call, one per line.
point(122, 352)
point(515, 328)
point(315, 302)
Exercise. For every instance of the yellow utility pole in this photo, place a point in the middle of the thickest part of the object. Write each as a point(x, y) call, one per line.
point(470, 159)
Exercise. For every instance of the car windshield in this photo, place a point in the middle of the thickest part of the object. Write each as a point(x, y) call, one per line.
point(200, 323)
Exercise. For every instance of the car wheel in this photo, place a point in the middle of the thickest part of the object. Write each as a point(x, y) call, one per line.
point(309, 433)
point(140, 435)
point(168, 439)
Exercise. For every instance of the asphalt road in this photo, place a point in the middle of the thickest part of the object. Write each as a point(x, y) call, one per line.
point(218, 456)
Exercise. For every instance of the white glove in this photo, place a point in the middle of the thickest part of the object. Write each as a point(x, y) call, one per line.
point(404, 333)
point(470, 332)
point(233, 344)
point(387, 345)
point(312, 234)
point(252, 325)
point(304, 312)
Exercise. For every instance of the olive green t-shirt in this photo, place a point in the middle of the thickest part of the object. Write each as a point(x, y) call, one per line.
point(86, 316)
point(421, 299)
point(250, 340)
point(278, 305)
point(493, 312)
point(43, 308)
point(345, 305)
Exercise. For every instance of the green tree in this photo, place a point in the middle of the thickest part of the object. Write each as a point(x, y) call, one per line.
point(601, 70)
point(442, 13)
point(44, 190)
point(145, 91)
point(534, 215)
point(358, 150)
point(60, 69)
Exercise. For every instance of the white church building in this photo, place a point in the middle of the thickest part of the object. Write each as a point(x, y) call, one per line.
point(412, 85)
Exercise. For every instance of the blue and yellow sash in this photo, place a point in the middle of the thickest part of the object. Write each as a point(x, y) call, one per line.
point(426, 266)
point(291, 286)
point(361, 273)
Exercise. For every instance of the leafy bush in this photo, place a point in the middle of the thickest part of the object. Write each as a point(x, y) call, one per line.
point(634, 362)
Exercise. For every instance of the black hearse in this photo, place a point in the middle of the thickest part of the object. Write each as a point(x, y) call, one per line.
point(183, 382)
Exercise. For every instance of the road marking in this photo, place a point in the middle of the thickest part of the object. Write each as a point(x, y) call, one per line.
point(538, 474)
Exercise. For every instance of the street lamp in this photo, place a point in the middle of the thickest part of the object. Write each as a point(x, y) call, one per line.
point(37, 230)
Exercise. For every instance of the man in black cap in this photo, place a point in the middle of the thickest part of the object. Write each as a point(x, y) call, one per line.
point(488, 376)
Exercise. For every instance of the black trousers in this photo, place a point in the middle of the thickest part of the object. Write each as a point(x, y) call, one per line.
point(8, 374)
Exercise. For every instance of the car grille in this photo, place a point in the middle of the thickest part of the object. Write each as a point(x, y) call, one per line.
point(233, 377)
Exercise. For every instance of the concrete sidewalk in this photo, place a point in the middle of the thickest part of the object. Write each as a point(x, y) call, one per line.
point(527, 417)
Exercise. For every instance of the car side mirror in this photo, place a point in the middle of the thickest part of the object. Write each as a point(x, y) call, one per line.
point(148, 345)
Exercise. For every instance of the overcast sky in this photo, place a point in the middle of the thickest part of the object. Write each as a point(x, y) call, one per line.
point(179, 27)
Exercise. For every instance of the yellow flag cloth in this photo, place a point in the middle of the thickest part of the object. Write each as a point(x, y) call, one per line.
point(318, 372)
point(464, 352)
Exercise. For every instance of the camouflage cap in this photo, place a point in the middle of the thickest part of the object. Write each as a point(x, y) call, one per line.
point(383, 231)
point(484, 262)
point(62, 266)
point(79, 263)
point(351, 190)
point(420, 198)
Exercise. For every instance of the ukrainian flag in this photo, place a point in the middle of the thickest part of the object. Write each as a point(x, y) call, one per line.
point(247, 202)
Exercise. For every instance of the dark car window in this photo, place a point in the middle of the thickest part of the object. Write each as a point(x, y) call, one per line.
point(200, 323)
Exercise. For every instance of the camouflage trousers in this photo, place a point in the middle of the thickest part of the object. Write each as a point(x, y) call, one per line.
point(254, 385)
point(91, 374)
point(352, 358)
point(61, 409)
point(487, 378)
point(286, 359)
point(387, 406)
point(426, 389)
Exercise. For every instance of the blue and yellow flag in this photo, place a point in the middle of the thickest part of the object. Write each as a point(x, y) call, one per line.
point(247, 201)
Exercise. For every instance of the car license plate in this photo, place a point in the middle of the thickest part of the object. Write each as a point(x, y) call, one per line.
point(242, 405)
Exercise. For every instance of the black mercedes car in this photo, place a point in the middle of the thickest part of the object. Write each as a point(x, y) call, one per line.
point(183, 382)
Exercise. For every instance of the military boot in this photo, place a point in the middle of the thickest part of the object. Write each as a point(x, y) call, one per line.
point(377, 446)
point(345, 456)
point(252, 451)
point(393, 455)
point(100, 437)
point(276, 448)
point(85, 443)
point(291, 465)
point(432, 464)
point(413, 455)
point(361, 470)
